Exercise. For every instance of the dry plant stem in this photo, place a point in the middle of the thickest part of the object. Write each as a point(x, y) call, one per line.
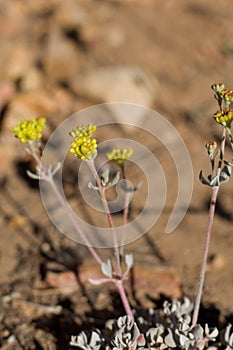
point(121, 290)
point(109, 217)
point(215, 190)
point(69, 212)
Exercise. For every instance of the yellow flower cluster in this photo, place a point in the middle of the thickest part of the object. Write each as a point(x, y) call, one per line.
point(224, 117)
point(29, 130)
point(222, 93)
point(83, 146)
point(119, 155)
point(227, 94)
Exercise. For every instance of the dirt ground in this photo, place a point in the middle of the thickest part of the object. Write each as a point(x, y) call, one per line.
point(52, 56)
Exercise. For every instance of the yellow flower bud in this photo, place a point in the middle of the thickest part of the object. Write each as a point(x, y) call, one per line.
point(211, 147)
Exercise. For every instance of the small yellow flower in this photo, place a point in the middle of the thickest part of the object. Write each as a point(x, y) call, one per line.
point(86, 131)
point(29, 130)
point(119, 155)
point(84, 147)
point(224, 117)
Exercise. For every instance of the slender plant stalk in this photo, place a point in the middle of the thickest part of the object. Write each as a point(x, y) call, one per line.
point(109, 216)
point(205, 255)
point(74, 221)
point(67, 209)
point(118, 283)
point(121, 290)
point(125, 221)
point(215, 190)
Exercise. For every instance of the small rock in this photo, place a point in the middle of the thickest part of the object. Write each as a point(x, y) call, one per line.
point(32, 81)
point(18, 59)
point(63, 101)
point(215, 262)
point(89, 271)
point(61, 58)
point(6, 93)
point(18, 222)
point(65, 281)
point(7, 155)
point(42, 7)
point(28, 106)
point(32, 310)
point(118, 84)
point(13, 21)
point(154, 281)
point(115, 37)
point(70, 15)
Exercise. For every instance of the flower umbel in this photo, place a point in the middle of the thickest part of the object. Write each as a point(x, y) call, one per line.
point(228, 96)
point(119, 155)
point(224, 117)
point(84, 147)
point(29, 130)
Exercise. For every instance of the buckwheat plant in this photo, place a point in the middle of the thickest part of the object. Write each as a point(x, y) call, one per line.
point(220, 173)
point(84, 147)
point(175, 326)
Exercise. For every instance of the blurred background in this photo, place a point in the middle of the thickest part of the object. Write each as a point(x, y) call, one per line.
point(59, 57)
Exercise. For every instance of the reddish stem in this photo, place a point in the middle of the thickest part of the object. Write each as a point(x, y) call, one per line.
point(109, 216)
point(215, 190)
point(124, 298)
point(205, 255)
